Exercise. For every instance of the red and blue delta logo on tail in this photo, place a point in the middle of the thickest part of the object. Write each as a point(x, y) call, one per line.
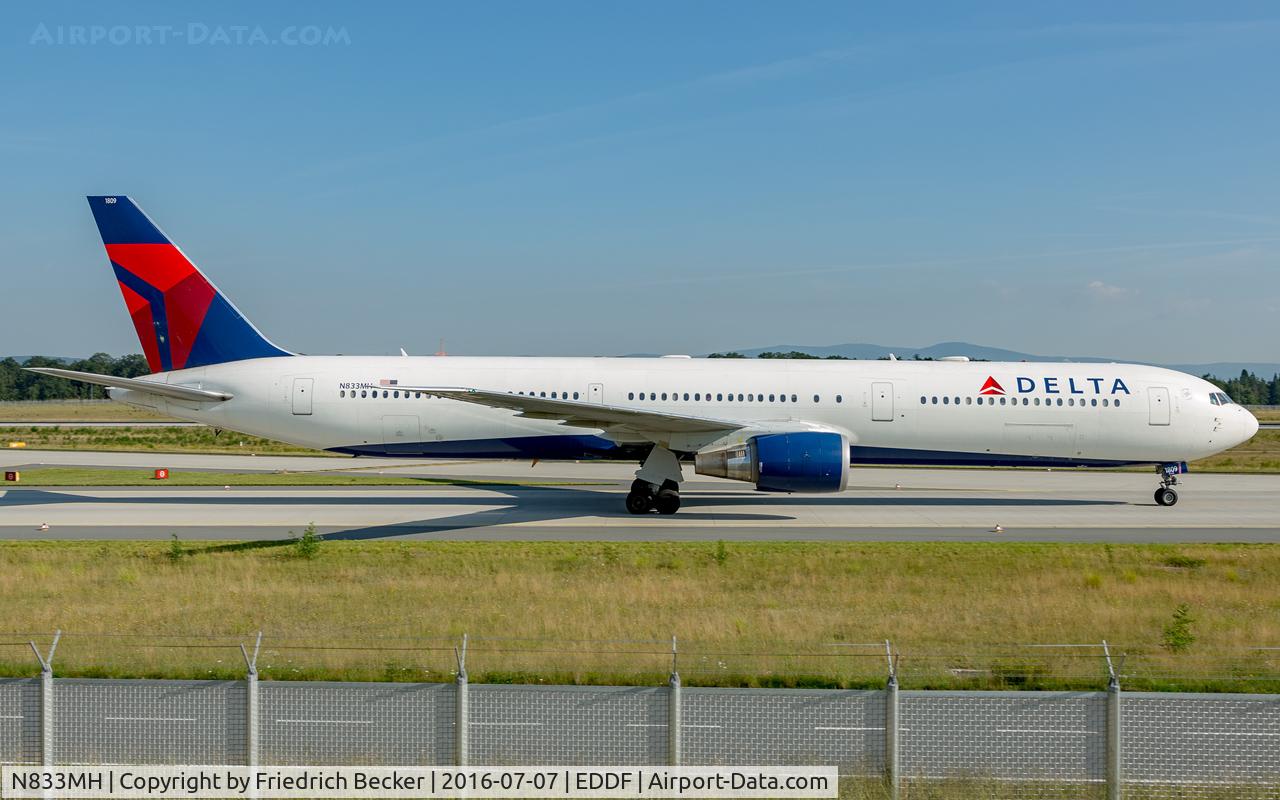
point(182, 320)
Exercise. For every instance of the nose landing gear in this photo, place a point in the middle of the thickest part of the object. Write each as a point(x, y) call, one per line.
point(1166, 495)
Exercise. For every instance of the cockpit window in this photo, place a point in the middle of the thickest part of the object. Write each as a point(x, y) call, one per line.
point(1213, 398)
point(1219, 399)
point(1226, 401)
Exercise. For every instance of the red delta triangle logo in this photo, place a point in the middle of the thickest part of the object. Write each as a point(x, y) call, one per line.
point(992, 386)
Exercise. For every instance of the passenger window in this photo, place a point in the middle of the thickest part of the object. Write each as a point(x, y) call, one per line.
point(935, 400)
point(968, 401)
point(946, 401)
point(772, 398)
point(1002, 401)
point(923, 400)
point(664, 395)
point(653, 396)
point(840, 398)
point(1037, 401)
point(1104, 402)
point(686, 395)
point(1059, 401)
point(1116, 403)
point(631, 395)
point(979, 401)
point(815, 398)
point(739, 397)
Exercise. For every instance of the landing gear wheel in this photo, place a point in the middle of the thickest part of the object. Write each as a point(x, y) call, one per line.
point(639, 502)
point(1166, 496)
point(667, 502)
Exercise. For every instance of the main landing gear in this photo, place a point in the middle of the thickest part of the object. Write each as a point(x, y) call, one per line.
point(1166, 495)
point(657, 484)
point(645, 497)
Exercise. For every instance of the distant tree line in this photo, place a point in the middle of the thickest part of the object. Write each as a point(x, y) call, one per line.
point(1249, 389)
point(17, 384)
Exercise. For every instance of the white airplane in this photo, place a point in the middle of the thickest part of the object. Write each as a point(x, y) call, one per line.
point(784, 425)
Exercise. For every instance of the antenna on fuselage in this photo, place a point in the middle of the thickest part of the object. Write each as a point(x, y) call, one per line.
point(441, 351)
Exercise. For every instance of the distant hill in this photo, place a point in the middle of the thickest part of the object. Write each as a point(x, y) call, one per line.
point(1220, 369)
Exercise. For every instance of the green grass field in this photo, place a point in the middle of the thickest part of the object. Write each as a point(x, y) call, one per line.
point(750, 614)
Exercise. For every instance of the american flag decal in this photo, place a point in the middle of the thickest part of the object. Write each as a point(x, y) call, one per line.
point(388, 382)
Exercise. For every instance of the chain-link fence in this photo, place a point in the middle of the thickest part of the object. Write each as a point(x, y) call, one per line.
point(888, 741)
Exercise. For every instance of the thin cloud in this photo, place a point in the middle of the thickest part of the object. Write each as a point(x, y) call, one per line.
point(1105, 291)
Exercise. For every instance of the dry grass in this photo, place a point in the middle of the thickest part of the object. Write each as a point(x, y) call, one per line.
point(1259, 454)
point(746, 614)
point(198, 439)
point(1266, 414)
point(76, 411)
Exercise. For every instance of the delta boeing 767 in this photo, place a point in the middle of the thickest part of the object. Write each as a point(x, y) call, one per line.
point(783, 425)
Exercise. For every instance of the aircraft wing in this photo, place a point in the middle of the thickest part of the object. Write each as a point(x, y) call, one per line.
point(581, 414)
point(135, 384)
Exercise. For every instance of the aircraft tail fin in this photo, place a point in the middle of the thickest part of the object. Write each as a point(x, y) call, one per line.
point(181, 318)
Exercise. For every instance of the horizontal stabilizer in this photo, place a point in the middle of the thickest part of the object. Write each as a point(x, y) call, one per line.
point(135, 384)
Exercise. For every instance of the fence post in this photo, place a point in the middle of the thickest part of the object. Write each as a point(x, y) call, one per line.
point(675, 754)
point(251, 702)
point(891, 727)
point(462, 739)
point(1115, 775)
point(46, 699)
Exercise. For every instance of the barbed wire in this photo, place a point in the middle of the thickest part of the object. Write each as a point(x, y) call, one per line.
point(996, 663)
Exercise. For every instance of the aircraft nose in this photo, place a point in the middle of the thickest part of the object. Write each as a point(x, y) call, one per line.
point(1250, 424)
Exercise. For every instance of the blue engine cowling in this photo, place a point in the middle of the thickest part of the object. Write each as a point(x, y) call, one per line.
point(809, 461)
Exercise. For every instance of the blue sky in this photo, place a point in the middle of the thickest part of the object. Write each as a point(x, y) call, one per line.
point(609, 178)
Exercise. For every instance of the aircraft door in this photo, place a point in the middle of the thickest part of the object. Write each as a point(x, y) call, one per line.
point(882, 402)
point(302, 389)
point(595, 393)
point(1158, 396)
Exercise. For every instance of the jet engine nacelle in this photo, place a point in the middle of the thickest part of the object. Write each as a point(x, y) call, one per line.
point(811, 461)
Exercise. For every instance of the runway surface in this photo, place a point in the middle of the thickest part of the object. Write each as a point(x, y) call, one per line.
point(880, 505)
